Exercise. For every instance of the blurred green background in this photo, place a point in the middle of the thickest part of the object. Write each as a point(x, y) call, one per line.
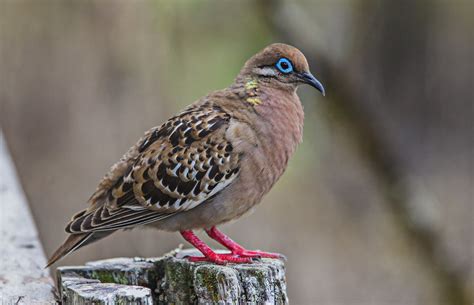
point(376, 206)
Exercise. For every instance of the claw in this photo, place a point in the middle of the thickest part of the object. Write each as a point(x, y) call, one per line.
point(238, 254)
point(259, 254)
point(237, 249)
point(221, 259)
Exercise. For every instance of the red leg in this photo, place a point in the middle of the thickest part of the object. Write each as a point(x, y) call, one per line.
point(237, 249)
point(210, 255)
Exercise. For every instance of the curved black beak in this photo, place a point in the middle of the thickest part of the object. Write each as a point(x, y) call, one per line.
point(309, 79)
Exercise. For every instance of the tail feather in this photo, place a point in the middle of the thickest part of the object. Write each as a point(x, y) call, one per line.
point(74, 242)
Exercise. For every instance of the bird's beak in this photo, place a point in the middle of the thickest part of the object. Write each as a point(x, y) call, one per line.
point(308, 78)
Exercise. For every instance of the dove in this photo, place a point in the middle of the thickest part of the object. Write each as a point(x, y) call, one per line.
point(209, 164)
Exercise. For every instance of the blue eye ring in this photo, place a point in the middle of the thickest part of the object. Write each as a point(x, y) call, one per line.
point(284, 65)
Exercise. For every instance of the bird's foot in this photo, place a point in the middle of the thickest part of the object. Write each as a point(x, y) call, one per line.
point(258, 254)
point(238, 250)
point(221, 259)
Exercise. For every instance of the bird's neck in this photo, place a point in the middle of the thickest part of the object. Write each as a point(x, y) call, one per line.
point(276, 117)
point(278, 107)
point(280, 124)
point(281, 111)
point(251, 85)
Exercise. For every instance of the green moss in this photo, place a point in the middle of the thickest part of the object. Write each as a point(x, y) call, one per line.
point(179, 281)
point(261, 276)
point(107, 276)
point(178, 272)
point(207, 277)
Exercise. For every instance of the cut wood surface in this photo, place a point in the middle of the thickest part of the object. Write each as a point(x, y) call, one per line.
point(173, 279)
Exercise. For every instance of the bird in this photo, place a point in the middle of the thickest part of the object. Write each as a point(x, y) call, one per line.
point(208, 165)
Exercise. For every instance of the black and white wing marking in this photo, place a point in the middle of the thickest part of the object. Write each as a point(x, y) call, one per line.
point(180, 165)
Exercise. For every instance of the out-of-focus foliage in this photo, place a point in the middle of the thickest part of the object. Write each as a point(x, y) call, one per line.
point(80, 81)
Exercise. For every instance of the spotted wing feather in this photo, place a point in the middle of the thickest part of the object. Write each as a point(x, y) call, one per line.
point(178, 166)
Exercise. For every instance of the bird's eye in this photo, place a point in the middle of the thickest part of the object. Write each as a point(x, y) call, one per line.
point(284, 65)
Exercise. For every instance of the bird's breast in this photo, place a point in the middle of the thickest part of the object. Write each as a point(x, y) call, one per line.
point(275, 133)
point(281, 131)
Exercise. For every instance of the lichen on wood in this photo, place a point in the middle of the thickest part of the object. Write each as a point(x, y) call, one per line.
point(173, 279)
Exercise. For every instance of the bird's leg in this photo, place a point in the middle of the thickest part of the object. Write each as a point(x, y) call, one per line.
point(237, 249)
point(209, 254)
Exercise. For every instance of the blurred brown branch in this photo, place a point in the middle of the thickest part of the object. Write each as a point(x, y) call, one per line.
point(347, 108)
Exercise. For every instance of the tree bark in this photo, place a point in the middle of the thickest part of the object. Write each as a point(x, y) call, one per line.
point(173, 279)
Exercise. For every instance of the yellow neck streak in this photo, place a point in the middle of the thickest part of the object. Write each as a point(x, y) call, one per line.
point(251, 86)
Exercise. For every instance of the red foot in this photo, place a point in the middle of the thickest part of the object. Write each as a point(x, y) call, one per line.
point(237, 249)
point(238, 254)
point(210, 255)
point(221, 259)
point(256, 253)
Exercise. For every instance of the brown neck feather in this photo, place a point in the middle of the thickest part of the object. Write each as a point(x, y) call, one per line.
point(281, 125)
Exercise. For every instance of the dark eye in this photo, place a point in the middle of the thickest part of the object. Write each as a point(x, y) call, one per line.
point(284, 65)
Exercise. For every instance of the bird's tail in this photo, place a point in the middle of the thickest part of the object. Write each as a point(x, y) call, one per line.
point(74, 242)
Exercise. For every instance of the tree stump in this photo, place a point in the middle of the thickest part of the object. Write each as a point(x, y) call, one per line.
point(173, 279)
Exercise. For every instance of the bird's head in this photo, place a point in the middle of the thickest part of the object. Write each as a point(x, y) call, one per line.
point(282, 66)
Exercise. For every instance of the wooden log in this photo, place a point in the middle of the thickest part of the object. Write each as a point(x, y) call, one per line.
point(23, 279)
point(173, 279)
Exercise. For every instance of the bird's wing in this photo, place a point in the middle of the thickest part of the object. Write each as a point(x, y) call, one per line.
point(172, 169)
